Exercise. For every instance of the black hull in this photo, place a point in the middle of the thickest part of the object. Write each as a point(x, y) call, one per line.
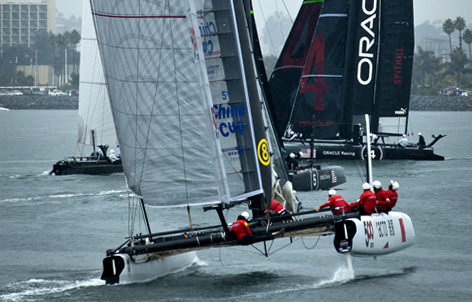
point(172, 243)
point(90, 167)
point(343, 151)
point(311, 179)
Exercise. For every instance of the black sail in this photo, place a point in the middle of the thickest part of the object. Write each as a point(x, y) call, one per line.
point(285, 78)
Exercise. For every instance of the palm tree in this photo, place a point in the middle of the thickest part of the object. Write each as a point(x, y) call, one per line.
point(448, 28)
point(459, 24)
point(468, 40)
point(74, 40)
point(426, 64)
point(62, 44)
point(53, 41)
point(457, 66)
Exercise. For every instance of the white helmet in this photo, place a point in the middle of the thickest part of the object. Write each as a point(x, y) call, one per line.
point(332, 192)
point(377, 184)
point(404, 135)
point(365, 186)
point(111, 151)
point(292, 155)
point(419, 134)
point(245, 215)
point(395, 185)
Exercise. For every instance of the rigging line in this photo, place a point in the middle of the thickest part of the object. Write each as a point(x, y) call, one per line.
point(281, 248)
point(312, 42)
point(267, 29)
point(288, 12)
point(280, 19)
point(310, 248)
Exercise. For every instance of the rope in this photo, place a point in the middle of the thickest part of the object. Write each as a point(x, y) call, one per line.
point(190, 219)
point(310, 248)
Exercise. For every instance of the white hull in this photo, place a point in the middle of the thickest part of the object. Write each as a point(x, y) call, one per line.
point(378, 234)
point(142, 270)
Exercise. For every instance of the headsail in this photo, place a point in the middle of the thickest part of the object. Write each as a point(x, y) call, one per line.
point(94, 107)
point(397, 46)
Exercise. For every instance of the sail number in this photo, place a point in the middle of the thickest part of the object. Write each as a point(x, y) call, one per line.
point(263, 152)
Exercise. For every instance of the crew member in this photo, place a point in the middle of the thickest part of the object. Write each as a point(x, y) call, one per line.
point(292, 161)
point(421, 141)
point(392, 194)
point(276, 209)
point(383, 202)
point(336, 203)
point(112, 157)
point(241, 229)
point(403, 141)
point(366, 202)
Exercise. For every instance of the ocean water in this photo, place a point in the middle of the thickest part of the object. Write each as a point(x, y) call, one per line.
point(54, 230)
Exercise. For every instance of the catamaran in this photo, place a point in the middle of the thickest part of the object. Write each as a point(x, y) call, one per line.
point(96, 130)
point(195, 133)
point(344, 59)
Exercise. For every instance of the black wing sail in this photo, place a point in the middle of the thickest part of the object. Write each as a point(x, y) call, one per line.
point(285, 78)
point(316, 87)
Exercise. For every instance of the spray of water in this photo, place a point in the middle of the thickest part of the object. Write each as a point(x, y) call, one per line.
point(342, 275)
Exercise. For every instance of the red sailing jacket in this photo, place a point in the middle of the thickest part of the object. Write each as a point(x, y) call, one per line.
point(393, 196)
point(336, 201)
point(240, 228)
point(276, 207)
point(367, 200)
point(383, 200)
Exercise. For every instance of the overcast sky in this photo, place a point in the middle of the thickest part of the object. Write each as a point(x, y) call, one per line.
point(431, 10)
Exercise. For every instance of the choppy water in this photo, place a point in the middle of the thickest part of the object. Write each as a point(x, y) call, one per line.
point(54, 230)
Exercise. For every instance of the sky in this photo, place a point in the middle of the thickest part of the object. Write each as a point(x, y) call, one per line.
point(431, 10)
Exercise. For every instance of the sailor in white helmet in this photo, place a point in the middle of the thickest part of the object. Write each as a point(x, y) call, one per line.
point(336, 203)
point(392, 194)
point(383, 202)
point(366, 202)
point(403, 142)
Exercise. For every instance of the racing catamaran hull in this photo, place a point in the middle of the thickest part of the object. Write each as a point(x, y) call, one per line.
point(344, 151)
point(122, 268)
point(375, 235)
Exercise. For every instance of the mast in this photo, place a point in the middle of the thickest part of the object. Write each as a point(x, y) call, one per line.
point(260, 129)
point(369, 150)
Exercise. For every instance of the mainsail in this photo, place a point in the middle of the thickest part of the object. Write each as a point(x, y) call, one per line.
point(185, 126)
point(94, 108)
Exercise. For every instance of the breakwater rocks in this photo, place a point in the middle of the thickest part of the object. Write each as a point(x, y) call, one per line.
point(21, 102)
point(418, 102)
point(440, 103)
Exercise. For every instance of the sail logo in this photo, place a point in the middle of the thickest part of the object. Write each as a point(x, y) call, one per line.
point(398, 66)
point(226, 111)
point(365, 67)
point(369, 232)
point(207, 29)
point(263, 152)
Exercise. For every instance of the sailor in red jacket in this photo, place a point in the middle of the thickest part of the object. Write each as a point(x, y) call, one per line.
point(276, 209)
point(241, 229)
point(392, 194)
point(366, 202)
point(336, 203)
point(383, 202)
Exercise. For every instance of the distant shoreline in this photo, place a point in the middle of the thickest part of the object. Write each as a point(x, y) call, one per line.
point(418, 103)
point(46, 102)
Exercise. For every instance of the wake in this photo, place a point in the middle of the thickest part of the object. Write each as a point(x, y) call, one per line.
point(23, 290)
